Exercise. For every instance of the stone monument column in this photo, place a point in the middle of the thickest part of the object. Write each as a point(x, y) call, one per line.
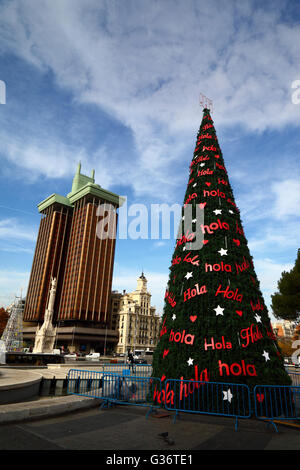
point(45, 336)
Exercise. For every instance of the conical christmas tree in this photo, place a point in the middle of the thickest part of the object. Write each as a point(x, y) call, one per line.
point(215, 325)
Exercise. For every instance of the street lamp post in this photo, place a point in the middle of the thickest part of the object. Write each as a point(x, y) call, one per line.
point(105, 341)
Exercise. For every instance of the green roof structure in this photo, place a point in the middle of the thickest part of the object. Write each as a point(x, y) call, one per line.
point(82, 186)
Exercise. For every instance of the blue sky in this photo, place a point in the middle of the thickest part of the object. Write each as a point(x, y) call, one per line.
point(116, 84)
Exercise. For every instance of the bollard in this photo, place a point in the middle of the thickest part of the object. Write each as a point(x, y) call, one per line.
point(59, 387)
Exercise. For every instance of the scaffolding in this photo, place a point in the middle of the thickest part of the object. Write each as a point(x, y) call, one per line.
point(13, 334)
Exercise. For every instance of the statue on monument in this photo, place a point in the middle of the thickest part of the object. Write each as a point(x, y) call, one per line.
point(45, 336)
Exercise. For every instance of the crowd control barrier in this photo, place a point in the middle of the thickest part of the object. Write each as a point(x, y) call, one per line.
point(129, 390)
point(214, 398)
point(140, 370)
point(270, 402)
point(85, 382)
point(113, 387)
point(277, 402)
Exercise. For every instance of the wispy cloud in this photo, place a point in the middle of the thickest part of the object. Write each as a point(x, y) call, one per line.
point(145, 63)
point(12, 282)
point(269, 272)
point(11, 229)
point(287, 198)
point(159, 244)
point(16, 249)
point(127, 279)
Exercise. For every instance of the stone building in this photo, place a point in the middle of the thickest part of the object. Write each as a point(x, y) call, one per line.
point(284, 329)
point(137, 322)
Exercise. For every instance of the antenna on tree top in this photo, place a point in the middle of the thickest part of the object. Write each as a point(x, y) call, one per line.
point(206, 102)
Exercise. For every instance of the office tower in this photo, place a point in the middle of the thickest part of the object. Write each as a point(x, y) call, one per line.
point(71, 249)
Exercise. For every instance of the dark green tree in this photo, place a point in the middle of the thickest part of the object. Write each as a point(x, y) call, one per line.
point(215, 325)
point(286, 302)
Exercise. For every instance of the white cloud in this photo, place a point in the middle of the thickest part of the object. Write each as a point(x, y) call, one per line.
point(272, 237)
point(41, 156)
point(145, 64)
point(159, 244)
point(16, 249)
point(269, 272)
point(12, 229)
point(287, 202)
point(12, 284)
point(126, 279)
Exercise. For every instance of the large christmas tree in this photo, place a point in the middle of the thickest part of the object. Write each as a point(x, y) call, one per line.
point(215, 325)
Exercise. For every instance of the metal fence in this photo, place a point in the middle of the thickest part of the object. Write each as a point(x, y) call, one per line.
point(215, 398)
point(89, 382)
point(124, 386)
point(129, 389)
point(85, 382)
point(140, 370)
point(114, 387)
point(279, 402)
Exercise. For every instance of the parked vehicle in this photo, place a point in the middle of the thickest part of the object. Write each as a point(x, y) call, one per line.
point(138, 353)
point(140, 360)
point(289, 362)
point(70, 356)
point(93, 355)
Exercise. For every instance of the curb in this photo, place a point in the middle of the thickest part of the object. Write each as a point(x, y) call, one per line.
point(287, 424)
point(28, 411)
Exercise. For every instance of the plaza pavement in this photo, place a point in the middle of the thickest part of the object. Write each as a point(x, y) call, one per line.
point(78, 423)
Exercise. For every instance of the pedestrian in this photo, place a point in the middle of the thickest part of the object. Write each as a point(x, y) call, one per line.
point(131, 360)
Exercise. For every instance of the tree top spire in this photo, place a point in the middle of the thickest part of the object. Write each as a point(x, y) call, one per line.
point(206, 103)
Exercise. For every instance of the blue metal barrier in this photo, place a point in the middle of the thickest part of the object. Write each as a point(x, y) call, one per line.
point(85, 382)
point(140, 370)
point(82, 381)
point(129, 390)
point(214, 398)
point(271, 402)
point(113, 387)
point(280, 402)
point(89, 382)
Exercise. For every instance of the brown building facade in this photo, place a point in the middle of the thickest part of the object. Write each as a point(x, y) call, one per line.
point(71, 248)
